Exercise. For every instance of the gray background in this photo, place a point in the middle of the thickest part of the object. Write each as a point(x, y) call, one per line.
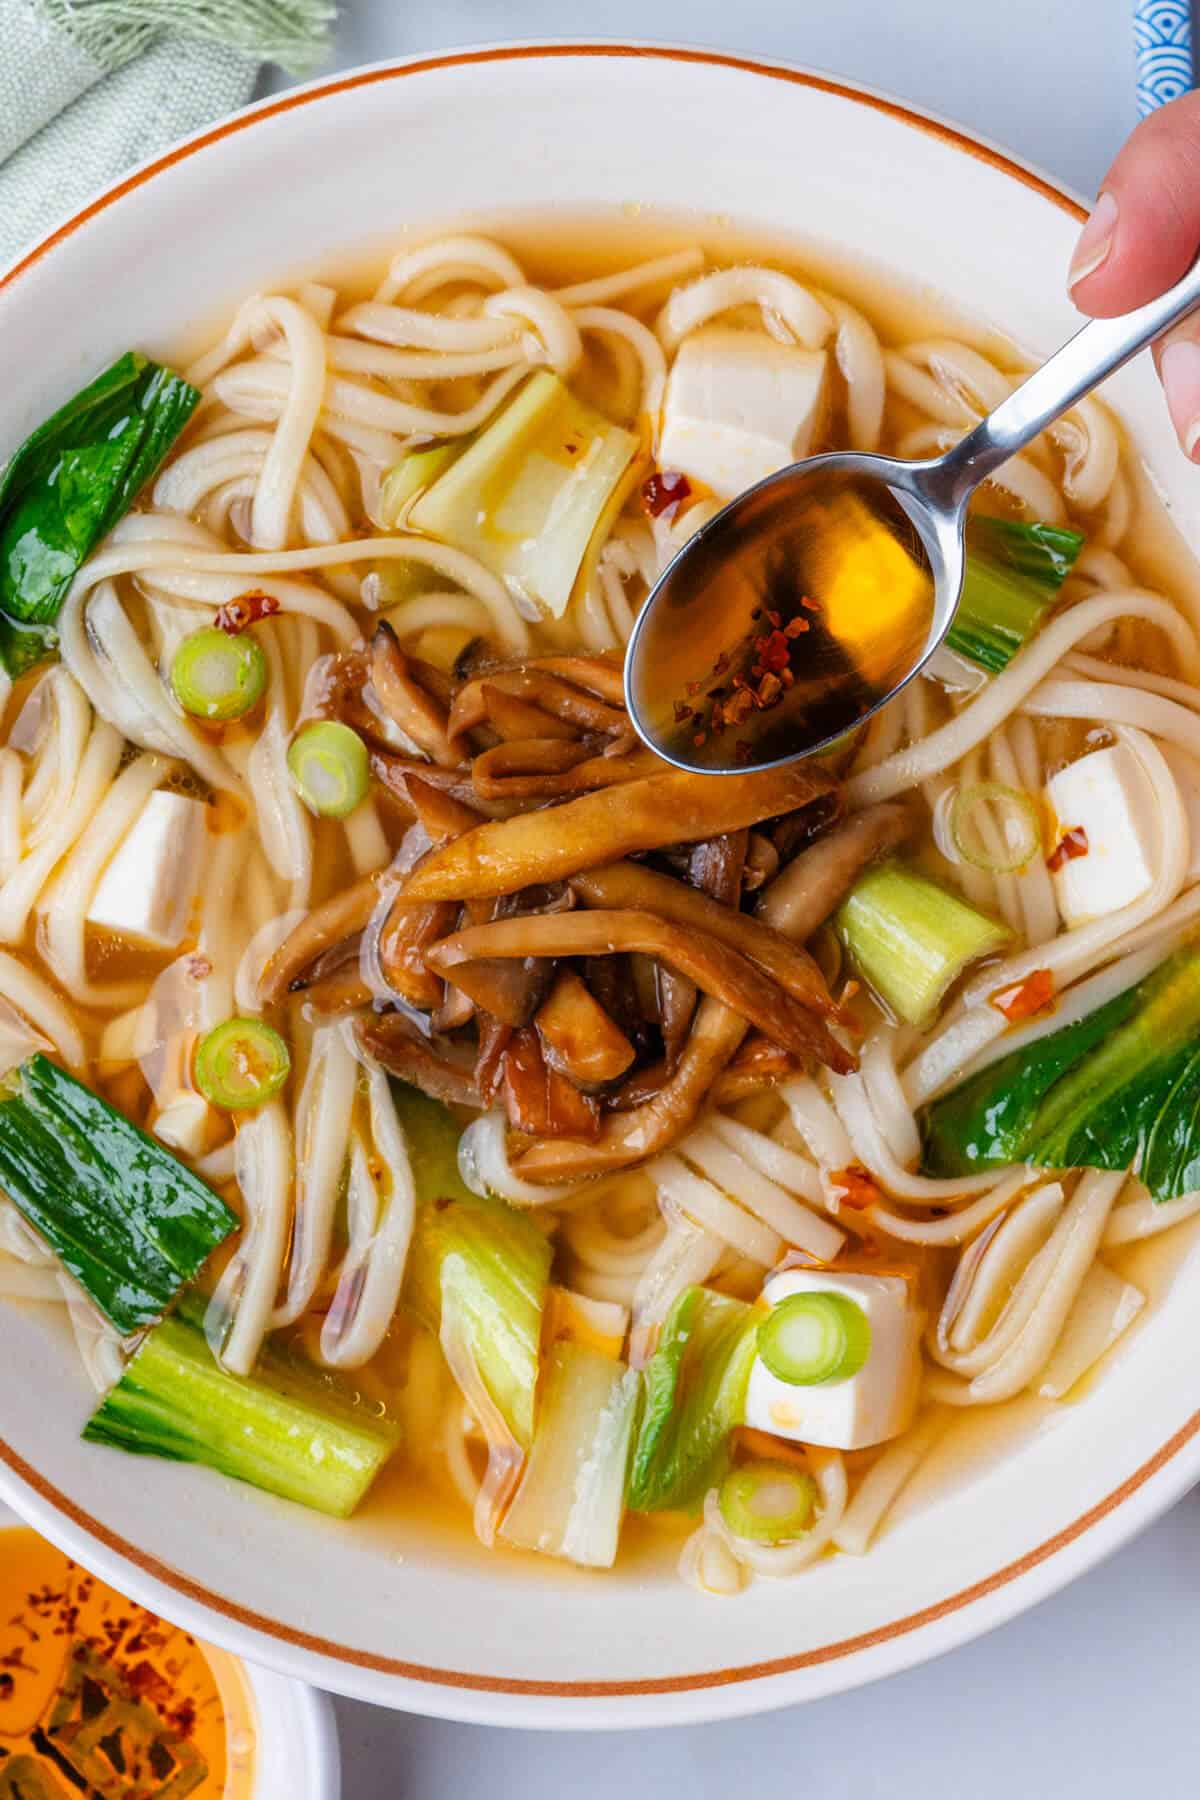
point(1093, 1693)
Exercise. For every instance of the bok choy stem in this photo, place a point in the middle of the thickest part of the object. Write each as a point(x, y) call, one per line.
point(288, 1428)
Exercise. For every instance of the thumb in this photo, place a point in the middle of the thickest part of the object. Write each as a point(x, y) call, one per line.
point(1145, 227)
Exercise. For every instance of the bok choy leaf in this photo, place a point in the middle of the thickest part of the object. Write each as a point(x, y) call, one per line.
point(123, 1215)
point(1119, 1089)
point(68, 485)
point(694, 1393)
point(477, 1270)
point(1012, 574)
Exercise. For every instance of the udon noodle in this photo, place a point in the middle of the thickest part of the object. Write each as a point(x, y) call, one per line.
point(481, 711)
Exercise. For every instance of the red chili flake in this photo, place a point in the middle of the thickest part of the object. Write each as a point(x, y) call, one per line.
point(1071, 844)
point(247, 609)
point(809, 605)
point(787, 678)
point(770, 688)
point(776, 652)
point(774, 619)
point(1026, 997)
point(699, 738)
point(855, 1187)
point(794, 627)
point(665, 488)
point(683, 711)
point(721, 664)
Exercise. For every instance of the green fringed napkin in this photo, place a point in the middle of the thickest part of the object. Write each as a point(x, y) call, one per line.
point(90, 87)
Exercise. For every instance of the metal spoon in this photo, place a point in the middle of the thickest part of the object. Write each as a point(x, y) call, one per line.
point(814, 597)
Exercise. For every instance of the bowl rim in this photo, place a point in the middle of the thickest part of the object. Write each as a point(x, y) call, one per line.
point(959, 1615)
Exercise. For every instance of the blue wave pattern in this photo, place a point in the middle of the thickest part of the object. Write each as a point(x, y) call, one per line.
point(1162, 34)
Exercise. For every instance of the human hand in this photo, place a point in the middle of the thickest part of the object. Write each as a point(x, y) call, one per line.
point(1144, 233)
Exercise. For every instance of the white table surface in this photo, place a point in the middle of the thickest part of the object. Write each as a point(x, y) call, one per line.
point(1094, 1692)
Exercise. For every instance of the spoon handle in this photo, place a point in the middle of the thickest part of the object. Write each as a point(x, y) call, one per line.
point(1102, 347)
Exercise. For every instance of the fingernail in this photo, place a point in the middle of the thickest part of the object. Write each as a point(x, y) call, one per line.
point(1095, 240)
point(1180, 365)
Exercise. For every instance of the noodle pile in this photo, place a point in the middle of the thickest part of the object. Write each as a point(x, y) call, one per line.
point(278, 488)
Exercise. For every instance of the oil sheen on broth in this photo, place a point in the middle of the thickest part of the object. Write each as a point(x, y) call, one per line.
point(823, 604)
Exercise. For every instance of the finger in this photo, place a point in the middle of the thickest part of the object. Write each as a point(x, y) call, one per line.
point(1178, 358)
point(1145, 227)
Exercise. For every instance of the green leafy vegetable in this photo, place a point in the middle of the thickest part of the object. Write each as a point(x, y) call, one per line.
point(129, 1221)
point(694, 1393)
point(1013, 572)
point(572, 1494)
point(1119, 1089)
point(288, 1428)
point(68, 485)
point(476, 1268)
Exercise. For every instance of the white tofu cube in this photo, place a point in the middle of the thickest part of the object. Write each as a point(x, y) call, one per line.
point(149, 889)
point(1107, 795)
point(739, 406)
point(878, 1402)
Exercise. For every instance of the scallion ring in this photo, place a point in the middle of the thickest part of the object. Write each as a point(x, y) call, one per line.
point(993, 827)
point(328, 764)
point(815, 1339)
point(770, 1502)
point(216, 676)
point(241, 1063)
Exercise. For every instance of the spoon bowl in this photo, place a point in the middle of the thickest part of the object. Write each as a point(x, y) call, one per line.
point(810, 600)
point(795, 613)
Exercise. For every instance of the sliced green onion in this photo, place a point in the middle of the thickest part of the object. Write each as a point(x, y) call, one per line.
point(911, 939)
point(812, 1340)
point(770, 1502)
point(1013, 572)
point(241, 1062)
point(328, 763)
point(411, 476)
point(992, 827)
point(216, 676)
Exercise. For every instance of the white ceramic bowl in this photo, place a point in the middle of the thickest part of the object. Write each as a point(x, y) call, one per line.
point(383, 1611)
point(295, 1734)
